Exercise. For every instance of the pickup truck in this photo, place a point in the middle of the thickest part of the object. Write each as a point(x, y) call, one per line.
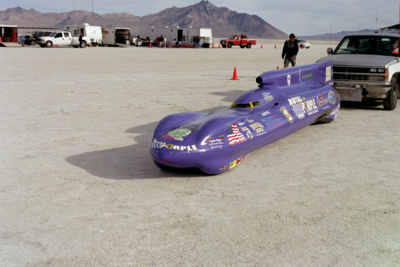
point(237, 40)
point(366, 67)
point(61, 38)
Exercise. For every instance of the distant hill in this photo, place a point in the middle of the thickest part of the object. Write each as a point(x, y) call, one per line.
point(334, 36)
point(223, 21)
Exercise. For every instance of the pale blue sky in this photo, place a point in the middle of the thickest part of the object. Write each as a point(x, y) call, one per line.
point(308, 17)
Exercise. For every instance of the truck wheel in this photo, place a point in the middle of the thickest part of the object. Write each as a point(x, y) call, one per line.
point(390, 102)
point(49, 44)
point(248, 45)
point(84, 44)
point(229, 45)
point(33, 43)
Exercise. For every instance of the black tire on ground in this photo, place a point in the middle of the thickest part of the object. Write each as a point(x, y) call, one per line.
point(390, 102)
point(248, 45)
point(49, 44)
point(229, 45)
point(84, 44)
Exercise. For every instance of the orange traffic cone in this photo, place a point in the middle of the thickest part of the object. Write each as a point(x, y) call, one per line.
point(275, 46)
point(235, 77)
point(213, 45)
point(219, 46)
point(262, 46)
point(277, 67)
point(0, 39)
point(149, 45)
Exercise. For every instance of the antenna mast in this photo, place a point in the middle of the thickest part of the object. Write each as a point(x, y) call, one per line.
point(73, 12)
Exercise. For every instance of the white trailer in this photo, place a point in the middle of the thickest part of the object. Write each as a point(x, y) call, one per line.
point(116, 36)
point(92, 32)
point(177, 34)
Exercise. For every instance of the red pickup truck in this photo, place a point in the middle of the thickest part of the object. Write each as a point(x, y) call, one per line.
point(241, 41)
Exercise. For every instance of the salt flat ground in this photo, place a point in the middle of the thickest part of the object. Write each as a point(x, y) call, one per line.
point(78, 186)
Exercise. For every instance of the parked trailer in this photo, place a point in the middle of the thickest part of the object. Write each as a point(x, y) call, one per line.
point(9, 35)
point(92, 32)
point(116, 36)
point(198, 36)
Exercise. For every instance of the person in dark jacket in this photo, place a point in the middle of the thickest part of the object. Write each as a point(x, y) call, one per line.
point(290, 50)
point(80, 40)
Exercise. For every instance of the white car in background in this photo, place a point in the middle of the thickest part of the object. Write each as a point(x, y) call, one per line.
point(303, 44)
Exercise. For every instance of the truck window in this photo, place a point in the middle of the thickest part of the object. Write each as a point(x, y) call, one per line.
point(66, 34)
point(58, 35)
point(369, 45)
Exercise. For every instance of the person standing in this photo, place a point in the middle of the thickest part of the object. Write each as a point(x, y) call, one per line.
point(290, 50)
point(80, 40)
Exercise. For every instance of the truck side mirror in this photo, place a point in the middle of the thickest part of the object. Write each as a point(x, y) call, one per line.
point(329, 51)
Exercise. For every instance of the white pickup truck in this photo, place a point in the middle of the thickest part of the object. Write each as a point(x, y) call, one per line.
point(367, 67)
point(62, 38)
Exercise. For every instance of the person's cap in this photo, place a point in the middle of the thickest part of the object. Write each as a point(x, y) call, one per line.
point(292, 35)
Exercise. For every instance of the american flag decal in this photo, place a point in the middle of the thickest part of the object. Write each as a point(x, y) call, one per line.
point(235, 136)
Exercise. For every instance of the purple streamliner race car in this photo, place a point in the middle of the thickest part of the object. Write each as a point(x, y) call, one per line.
point(286, 101)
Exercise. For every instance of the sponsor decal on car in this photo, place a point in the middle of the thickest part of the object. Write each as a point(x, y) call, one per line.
point(267, 96)
point(234, 135)
point(234, 163)
point(179, 133)
point(272, 122)
point(332, 97)
point(164, 145)
point(301, 106)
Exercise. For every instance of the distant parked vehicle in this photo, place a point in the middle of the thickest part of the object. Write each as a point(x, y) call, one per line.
point(116, 36)
point(32, 38)
point(62, 38)
point(303, 44)
point(238, 40)
point(136, 41)
point(91, 32)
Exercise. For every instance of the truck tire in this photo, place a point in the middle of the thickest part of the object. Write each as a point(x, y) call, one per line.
point(242, 46)
point(84, 44)
point(248, 45)
point(390, 102)
point(49, 44)
point(229, 45)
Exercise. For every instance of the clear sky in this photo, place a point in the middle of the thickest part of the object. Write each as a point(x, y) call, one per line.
point(308, 17)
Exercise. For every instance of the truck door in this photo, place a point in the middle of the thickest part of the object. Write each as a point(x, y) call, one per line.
point(67, 38)
point(59, 39)
point(180, 35)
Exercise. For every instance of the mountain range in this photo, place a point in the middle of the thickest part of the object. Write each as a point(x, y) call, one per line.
point(223, 21)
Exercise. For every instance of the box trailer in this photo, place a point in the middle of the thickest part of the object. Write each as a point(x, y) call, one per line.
point(202, 36)
point(9, 35)
point(94, 33)
point(116, 36)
